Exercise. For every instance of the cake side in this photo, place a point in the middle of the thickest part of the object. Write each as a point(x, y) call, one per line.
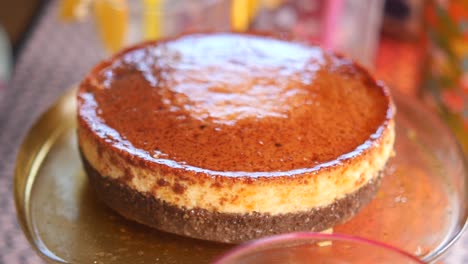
point(224, 227)
point(281, 193)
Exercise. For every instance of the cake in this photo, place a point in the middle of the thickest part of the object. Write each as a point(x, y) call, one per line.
point(230, 137)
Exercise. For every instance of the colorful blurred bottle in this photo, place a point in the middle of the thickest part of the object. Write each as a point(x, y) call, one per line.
point(445, 83)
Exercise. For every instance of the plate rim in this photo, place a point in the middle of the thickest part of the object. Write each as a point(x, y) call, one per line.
point(24, 176)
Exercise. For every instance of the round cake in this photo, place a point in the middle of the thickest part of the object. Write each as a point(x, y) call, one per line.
point(231, 137)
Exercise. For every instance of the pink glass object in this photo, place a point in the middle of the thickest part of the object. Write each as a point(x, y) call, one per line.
point(351, 27)
point(309, 248)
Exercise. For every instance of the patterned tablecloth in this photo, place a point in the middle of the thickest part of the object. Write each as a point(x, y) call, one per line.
point(54, 58)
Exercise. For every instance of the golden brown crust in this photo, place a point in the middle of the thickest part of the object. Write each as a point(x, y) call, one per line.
point(349, 108)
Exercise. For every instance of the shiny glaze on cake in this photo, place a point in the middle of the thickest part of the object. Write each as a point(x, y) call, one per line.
point(233, 105)
point(234, 124)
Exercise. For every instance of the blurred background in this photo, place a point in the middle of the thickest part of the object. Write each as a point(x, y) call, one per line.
point(418, 47)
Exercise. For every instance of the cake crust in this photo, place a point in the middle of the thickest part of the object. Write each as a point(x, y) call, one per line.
point(203, 224)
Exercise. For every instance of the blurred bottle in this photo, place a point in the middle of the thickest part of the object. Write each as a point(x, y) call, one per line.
point(120, 23)
point(348, 26)
point(445, 83)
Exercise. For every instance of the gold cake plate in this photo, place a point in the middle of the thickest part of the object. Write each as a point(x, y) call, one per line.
point(421, 206)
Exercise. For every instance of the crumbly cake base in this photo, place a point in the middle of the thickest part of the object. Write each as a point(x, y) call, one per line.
point(223, 227)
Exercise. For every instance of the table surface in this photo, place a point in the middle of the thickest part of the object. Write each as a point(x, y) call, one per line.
point(55, 57)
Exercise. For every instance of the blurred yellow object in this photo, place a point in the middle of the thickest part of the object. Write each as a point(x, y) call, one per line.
point(254, 6)
point(152, 19)
point(112, 22)
point(67, 9)
point(73, 9)
point(460, 47)
point(243, 12)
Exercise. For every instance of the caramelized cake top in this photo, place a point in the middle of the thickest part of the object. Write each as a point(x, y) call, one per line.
point(234, 103)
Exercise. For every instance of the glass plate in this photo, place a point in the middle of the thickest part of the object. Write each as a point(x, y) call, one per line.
point(421, 206)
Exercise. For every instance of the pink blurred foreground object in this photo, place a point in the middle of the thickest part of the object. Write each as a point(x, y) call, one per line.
point(316, 248)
